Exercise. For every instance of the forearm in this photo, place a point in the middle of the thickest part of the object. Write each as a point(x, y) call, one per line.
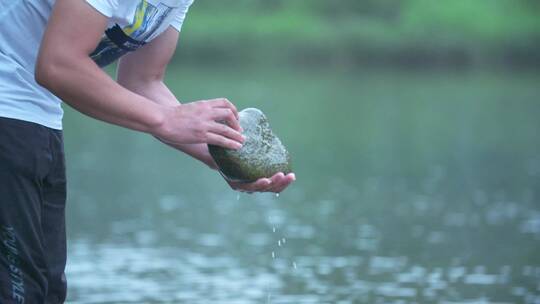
point(64, 67)
point(197, 151)
point(83, 85)
point(158, 92)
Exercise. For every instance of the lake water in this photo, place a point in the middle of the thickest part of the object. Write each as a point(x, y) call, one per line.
point(413, 187)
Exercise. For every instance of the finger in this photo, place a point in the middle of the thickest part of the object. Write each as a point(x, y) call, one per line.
point(281, 181)
point(277, 182)
point(259, 185)
point(289, 179)
point(226, 131)
point(224, 103)
point(218, 140)
point(223, 114)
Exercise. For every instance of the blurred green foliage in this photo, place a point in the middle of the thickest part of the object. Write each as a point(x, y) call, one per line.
point(349, 32)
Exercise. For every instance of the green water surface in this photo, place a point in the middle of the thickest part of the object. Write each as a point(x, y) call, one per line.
point(413, 187)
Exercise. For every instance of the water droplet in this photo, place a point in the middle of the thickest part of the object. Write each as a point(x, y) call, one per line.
point(274, 229)
point(283, 240)
point(277, 194)
point(238, 197)
point(279, 243)
point(294, 265)
point(273, 255)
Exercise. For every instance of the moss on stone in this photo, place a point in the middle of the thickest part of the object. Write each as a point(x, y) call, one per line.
point(262, 154)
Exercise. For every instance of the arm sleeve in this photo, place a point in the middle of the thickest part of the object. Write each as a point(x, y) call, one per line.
point(181, 14)
point(105, 7)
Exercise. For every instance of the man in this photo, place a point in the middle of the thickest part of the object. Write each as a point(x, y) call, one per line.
point(75, 38)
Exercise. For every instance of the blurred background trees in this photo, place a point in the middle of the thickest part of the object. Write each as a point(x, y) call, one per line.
point(458, 33)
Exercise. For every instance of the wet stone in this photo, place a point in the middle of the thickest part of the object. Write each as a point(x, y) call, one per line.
point(262, 154)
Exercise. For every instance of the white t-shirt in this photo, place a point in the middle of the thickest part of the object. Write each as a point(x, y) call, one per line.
point(132, 23)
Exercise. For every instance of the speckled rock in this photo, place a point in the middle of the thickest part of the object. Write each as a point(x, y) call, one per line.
point(262, 154)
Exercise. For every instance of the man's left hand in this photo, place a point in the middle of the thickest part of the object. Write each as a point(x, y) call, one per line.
point(276, 184)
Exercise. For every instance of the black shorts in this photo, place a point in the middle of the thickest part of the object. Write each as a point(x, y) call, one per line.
point(32, 221)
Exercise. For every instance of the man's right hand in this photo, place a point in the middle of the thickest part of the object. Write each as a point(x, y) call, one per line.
point(212, 122)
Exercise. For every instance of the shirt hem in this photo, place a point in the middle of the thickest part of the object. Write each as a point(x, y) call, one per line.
point(47, 124)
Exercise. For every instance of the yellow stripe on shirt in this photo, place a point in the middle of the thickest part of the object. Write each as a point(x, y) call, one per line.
point(139, 18)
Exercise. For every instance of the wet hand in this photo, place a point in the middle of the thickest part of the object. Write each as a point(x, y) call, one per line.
point(202, 122)
point(276, 184)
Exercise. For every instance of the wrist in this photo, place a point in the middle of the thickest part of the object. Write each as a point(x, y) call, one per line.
point(156, 121)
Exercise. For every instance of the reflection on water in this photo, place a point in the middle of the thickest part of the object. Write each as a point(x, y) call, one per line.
point(192, 267)
point(439, 204)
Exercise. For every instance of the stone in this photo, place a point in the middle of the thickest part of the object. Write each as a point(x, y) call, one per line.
point(262, 154)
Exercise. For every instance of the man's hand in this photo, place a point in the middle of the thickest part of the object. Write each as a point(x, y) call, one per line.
point(197, 123)
point(276, 184)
